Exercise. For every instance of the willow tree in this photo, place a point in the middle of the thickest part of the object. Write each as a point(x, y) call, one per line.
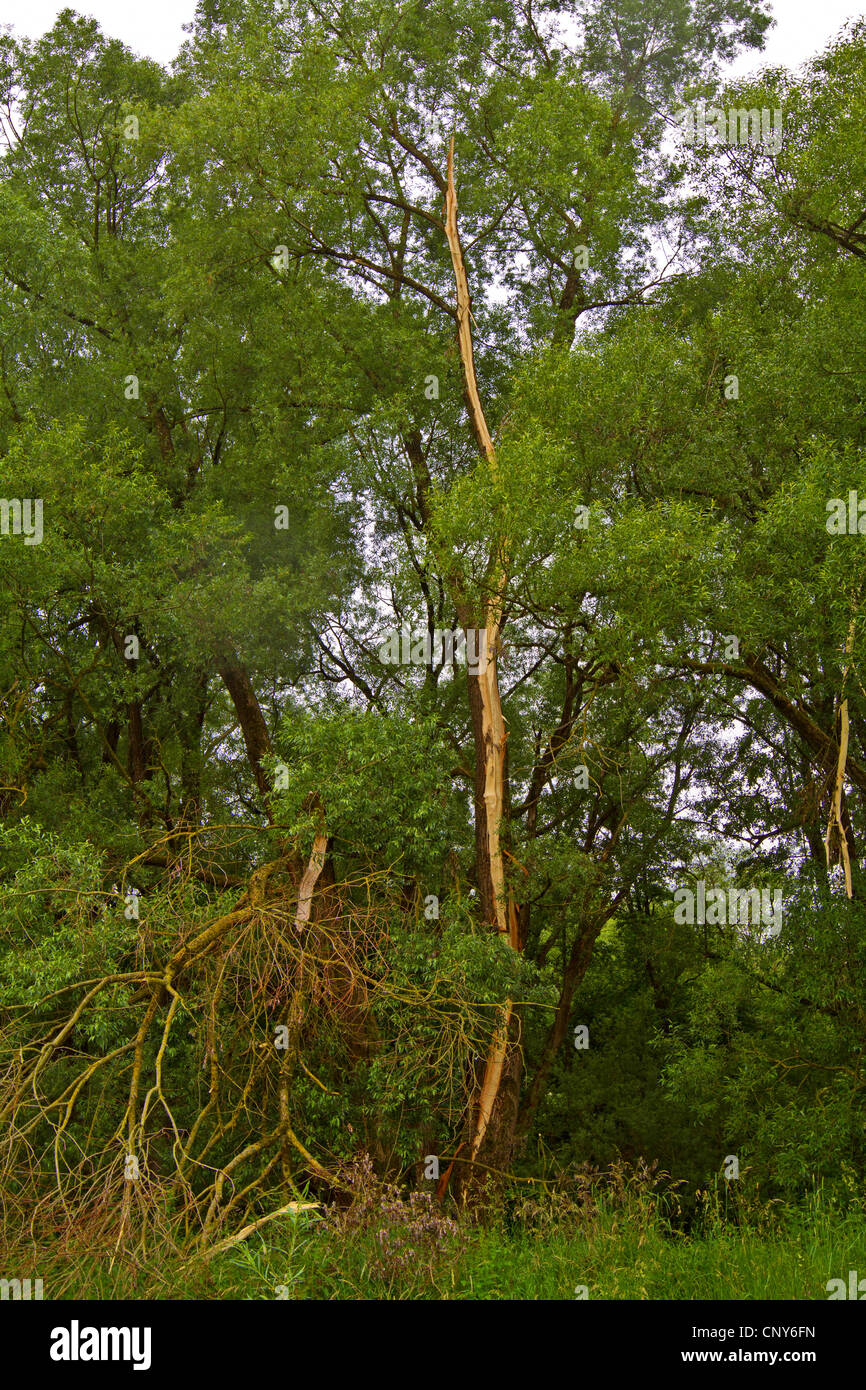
point(549, 193)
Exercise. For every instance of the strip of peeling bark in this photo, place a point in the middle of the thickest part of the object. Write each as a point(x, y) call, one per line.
point(310, 879)
point(492, 1078)
point(487, 708)
point(464, 311)
point(485, 703)
point(836, 821)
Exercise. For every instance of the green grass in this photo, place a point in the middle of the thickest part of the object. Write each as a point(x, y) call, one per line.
point(615, 1260)
point(623, 1253)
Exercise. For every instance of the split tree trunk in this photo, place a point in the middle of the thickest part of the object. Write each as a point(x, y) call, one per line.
point(493, 1114)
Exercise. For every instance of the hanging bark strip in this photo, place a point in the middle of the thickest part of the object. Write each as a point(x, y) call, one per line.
point(835, 821)
point(492, 1077)
point(491, 734)
point(464, 313)
point(311, 877)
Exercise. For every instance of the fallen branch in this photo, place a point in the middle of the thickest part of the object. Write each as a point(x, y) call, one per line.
point(290, 1209)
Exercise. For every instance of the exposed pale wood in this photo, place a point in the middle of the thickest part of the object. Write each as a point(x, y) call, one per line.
point(492, 1077)
point(493, 731)
point(290, 1209)
point(835, 820)
point(310, 879)
point(464, 310)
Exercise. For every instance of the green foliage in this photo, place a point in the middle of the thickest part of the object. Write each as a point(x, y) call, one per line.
point(229, 377)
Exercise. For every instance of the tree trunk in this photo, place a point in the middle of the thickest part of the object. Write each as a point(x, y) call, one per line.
point(575, 970)
point(493, 1113)
point(257, 740)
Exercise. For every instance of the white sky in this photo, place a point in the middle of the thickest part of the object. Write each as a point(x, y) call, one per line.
point(802, 30)
point(154, 28)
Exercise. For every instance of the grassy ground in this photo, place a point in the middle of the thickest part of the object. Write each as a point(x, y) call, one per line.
point(620, 1251)
point(616, 1259)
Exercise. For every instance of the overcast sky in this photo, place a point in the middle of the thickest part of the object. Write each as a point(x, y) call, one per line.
point(154, 27)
